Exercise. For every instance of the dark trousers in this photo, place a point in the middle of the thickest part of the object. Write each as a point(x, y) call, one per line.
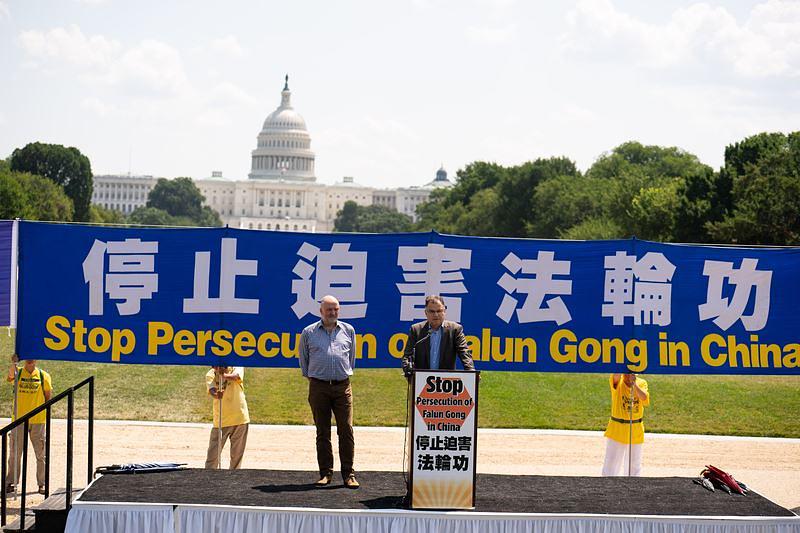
point(337, 398)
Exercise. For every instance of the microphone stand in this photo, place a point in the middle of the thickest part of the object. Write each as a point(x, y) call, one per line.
point(407, 446)
point(630, 427)
point(219, 421)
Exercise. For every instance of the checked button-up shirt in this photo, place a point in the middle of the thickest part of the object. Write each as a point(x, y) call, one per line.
point(328, 356)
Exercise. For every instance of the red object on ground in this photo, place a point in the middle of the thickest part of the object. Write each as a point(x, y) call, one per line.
point(715, 474)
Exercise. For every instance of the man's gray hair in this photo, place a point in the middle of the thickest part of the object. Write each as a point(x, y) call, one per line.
point(434, 298)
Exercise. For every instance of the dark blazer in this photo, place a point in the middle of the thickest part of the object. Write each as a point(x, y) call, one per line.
point(453, 344)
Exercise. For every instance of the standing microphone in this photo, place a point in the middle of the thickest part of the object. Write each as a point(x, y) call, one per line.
point(410, 368)
point(408, 372)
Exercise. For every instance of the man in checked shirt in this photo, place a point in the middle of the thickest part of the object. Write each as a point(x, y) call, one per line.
point(327, 358)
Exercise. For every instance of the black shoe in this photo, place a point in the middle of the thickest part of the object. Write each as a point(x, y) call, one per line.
point(11, 488)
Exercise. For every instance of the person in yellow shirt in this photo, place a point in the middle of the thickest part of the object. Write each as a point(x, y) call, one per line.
point(32, 387)
point(625, 426)
point(225, 385)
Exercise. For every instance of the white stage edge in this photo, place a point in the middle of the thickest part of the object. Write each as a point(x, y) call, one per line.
point(93, 517)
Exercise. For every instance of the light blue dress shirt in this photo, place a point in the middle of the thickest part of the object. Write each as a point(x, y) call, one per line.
point(436, 342)
point(328, 356)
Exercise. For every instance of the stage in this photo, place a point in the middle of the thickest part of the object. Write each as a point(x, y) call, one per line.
point(197, 500)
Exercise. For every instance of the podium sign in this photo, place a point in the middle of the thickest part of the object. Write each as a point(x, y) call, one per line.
point(444, 436)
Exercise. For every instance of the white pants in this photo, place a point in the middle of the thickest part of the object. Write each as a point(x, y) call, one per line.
point(617, 456)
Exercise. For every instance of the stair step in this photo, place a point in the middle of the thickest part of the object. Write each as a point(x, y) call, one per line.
point(50, 514)
point(30, 523)
point(57, 501)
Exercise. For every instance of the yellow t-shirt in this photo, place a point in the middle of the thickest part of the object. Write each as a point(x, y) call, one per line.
point(234, 405)
point(30, 393)
point(621, 409)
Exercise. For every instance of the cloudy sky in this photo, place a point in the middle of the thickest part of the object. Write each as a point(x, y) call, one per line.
point(392, 90)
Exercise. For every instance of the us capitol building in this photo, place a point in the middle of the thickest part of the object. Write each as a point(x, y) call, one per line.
point(281, 192)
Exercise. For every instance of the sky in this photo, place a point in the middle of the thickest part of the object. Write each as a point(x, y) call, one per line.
point(391, 91)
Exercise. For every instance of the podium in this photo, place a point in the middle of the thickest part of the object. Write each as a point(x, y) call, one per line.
point(444, 431)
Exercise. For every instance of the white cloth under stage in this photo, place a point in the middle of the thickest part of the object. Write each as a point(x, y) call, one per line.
point(141, 518)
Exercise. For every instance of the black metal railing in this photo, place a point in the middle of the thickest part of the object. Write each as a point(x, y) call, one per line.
point(24, 422)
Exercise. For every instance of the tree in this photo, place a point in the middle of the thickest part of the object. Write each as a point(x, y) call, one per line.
point(653, 161)
point(347, 218)
point(653, 211)
point(438, 213)
point(66, 167)
point(24, 195)
point(151, 216)
point(766, 191)
point(514, 214)
point(382, 219)
point(767, 210)
point(209, 218)
point(754, 149)
point(492, 200)
point(46, 200)
point(13, 201)
point(182, 201)
point(593, 229)
point(179, 197)
point(565, 201)
point(703, 197)
point(471, 179)
point(479, 217)
point(654, 192)
point(101, 215)
point(370, 219)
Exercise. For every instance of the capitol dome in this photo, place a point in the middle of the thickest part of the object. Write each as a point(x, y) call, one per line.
point(284, 118)
point(284, 146)
point(440, 181)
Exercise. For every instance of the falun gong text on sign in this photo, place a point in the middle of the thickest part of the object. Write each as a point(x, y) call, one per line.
point(444, 433)
point(238, 297)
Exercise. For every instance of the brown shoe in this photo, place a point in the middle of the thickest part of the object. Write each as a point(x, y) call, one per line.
point(41, 489)
point(324, 480)
point(351, 482)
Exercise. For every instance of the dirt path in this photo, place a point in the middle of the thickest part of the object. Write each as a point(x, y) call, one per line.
point(770, 466)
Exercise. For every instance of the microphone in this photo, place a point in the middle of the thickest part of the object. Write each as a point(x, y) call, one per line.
point(423, 339)
point(407, 370)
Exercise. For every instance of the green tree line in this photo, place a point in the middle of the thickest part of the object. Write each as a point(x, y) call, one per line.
point(52, 182)
point(371, 219)
point(650, 192)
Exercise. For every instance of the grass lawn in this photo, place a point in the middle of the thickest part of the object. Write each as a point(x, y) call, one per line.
point(725, 405)
point(716, 405)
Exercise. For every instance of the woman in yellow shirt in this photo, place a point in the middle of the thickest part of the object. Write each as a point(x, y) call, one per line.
point(626, 425)
point(225, 384)
point(33, 387)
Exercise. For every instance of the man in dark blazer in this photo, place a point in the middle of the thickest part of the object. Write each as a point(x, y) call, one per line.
point(436, 332)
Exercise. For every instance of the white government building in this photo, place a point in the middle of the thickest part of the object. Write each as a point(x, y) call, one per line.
point(281, 192)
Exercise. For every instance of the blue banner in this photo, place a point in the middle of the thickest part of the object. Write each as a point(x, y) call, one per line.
point(6, 271)
point(239, 297)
